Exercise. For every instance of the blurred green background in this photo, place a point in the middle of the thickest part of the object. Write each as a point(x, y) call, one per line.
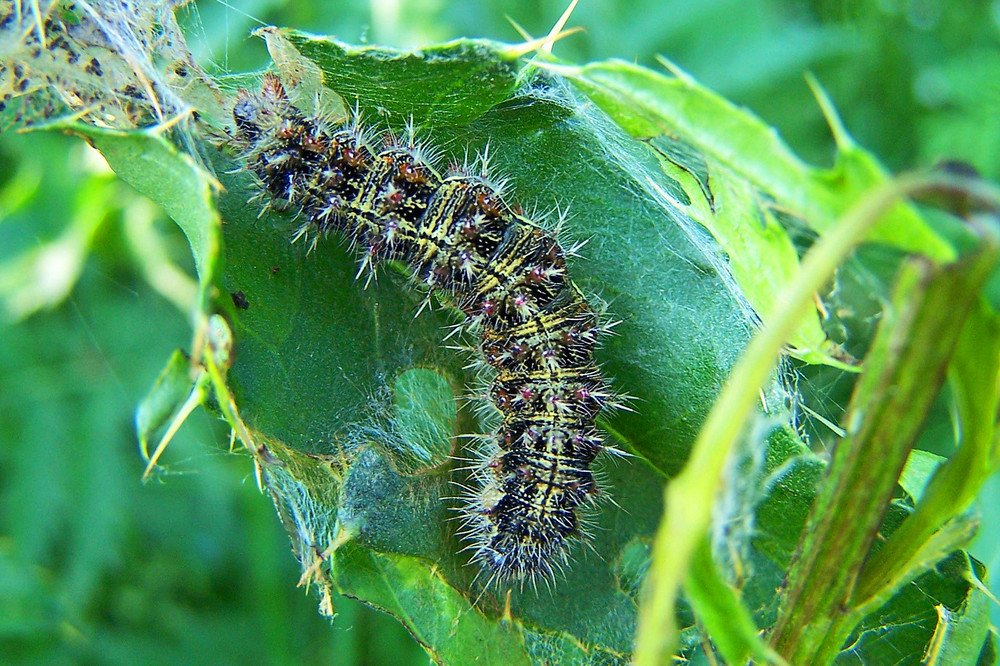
point(194, 568)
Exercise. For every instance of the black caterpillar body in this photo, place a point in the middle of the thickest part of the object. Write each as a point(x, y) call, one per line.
point(508, 275)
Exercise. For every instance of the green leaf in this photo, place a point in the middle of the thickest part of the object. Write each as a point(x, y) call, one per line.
point(902, 625)
point(904, 370)
point(759, 251)
point(185, 190)
point(941, 611)
point(164, 399)
point(920, 466)
point(151, 164)
point(316, 352)
point(974, 374)
point(747, 174)
point(975, 381)
point(725, 618)
point(445, 84)
point(438, 616)
point(426, 413)
point(648, 104)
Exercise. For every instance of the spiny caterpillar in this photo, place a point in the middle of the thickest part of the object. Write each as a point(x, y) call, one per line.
point(458, 235)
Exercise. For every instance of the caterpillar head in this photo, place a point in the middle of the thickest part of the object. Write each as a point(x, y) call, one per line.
point(259, 112)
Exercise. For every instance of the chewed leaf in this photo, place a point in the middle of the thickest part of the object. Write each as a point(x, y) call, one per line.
point(426, 415)
point(647, 104)
point(439, 616)
point(759, 251)
point(727, 149)
point(447, 84)
point(317, 353)
point(920, 466)
point(503, 434)
point(941, 610)
point(688, 160)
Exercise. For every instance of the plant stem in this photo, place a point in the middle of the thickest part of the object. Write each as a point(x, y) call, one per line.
point(955, 484)
point(689, 496)
point(904, 372)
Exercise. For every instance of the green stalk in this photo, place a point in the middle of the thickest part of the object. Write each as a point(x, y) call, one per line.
point(955, 484)
point(722, 614)
point(904, 372)
point(688, 498)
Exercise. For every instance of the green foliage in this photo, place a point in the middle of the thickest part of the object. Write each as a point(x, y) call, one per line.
point(904, 372)
point(346, 401)
point(377, 339)
point(534, 129)
point(94, 566)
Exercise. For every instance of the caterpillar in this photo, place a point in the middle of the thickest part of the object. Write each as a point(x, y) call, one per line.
point(458, 235)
